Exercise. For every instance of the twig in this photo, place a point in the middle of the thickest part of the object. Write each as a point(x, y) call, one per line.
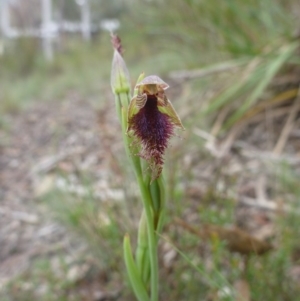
point(266, 205)
point(249, 152)
point(260, 188)
point(20, 215)
point(222, 149)
point(217, 126)
point(47, 164)
point(237, 239)
point(281, 142)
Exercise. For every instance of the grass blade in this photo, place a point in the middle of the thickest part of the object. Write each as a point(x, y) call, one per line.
point(272, 68)
point(134, 276)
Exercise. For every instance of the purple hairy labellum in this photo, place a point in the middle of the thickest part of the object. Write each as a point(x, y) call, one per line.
point(152, 121)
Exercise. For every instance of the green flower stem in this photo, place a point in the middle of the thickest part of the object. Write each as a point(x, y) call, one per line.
point(155, 194)
point(157, 203)
point(123, 100)
point(162, 208)
point(127, 142)
point(152, 239)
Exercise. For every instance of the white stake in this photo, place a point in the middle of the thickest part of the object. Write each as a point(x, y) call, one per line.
point(46, 29)
point(4, 18)
point(86, 19)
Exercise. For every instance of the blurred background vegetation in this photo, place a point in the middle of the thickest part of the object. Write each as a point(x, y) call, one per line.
point(233, 70)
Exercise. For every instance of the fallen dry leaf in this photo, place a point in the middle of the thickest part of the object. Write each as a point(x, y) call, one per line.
point(237, 240)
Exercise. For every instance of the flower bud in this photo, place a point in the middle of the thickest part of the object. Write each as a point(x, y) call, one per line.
point(120, 79)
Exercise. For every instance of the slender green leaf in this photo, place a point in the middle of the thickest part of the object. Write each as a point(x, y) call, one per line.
point(239, 88)
point(134, 276)
point(272, 68)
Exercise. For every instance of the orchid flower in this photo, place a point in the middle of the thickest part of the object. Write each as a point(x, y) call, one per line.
point(152, 120)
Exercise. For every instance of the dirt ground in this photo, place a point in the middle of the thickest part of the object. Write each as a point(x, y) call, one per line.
point(45, 139)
